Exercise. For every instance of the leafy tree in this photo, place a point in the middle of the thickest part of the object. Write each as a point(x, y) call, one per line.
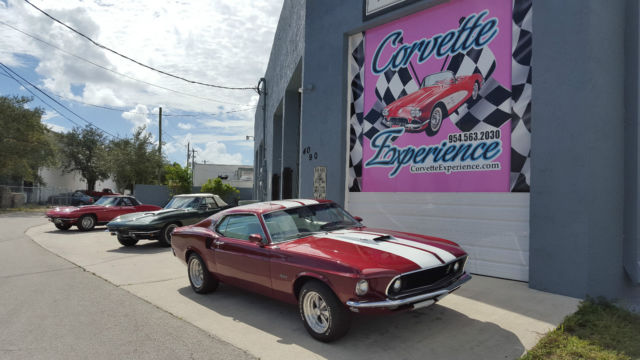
point(135, 160)
point(85, 150)
point(25, 143)
point(216, 186)
point(178, 179)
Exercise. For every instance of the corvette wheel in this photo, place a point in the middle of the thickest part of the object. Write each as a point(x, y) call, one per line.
point(86, 222)
point(127, 241)
point(165, 234)
point(323, 315)
point(62, 226)
point(435, 120)
point(476, 91)
point(200, 278)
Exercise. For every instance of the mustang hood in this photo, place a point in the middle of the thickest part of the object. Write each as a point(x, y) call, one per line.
point(415, 99)
point(380, 250)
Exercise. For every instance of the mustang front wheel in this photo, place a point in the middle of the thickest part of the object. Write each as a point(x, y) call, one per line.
point(324, 316)
point(201, 280)
point(86, 222)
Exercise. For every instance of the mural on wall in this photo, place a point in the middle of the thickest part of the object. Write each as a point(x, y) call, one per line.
point(440, 100)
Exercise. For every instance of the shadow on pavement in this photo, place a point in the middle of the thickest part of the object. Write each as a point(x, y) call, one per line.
point(147, 247)
point(436, 332)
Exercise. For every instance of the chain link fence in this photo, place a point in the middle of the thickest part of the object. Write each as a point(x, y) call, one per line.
point(18, 196)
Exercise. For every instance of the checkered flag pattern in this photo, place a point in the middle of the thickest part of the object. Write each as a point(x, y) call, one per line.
point(356, 108)
point(492, 108)
point(391, 85)
point(521, 46)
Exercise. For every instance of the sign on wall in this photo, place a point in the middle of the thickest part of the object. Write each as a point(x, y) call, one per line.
point(437, 101)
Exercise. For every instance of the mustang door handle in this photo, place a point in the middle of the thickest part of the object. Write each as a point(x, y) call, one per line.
point(218, 242)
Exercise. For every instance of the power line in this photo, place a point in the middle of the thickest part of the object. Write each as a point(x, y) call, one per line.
point(135, 61)
point(36, 96)
point(111, 70)
point(56, 101)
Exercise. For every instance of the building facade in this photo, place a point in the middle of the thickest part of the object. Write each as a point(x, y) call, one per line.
point(509, 126)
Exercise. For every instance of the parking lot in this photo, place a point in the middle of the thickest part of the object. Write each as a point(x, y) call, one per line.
point(487, 318)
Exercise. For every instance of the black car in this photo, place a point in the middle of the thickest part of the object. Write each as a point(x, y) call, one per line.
point(181, 210)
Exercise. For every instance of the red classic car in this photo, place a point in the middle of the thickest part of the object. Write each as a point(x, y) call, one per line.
point(315, 254)
point(100, 213)
point(439, 95)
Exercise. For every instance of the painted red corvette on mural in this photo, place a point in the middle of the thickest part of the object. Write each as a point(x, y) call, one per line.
point(315, 254)
point(439, 95)
point(99, 213)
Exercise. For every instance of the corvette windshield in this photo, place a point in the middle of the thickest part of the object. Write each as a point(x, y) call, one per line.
point(299, 222)
point(441, 77)
point(183, 203)
point(107, 201)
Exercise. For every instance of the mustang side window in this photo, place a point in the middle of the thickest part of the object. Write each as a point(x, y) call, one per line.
point(240, 226)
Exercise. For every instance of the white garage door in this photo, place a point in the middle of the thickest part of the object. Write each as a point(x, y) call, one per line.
point(492, 227)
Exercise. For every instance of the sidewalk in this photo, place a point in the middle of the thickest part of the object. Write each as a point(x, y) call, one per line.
point(487, 318)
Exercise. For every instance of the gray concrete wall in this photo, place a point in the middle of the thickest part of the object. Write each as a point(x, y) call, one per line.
point(578, 162)
point(152, 194)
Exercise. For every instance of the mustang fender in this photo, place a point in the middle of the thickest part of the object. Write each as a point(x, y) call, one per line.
point(304, 276)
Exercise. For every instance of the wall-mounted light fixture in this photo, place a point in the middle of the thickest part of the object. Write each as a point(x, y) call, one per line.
point(251, 137)
point(305, 89)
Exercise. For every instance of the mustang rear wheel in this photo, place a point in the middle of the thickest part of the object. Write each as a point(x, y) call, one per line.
point(200, 278)
point(86, 222)
point(165, 234)
point(62, 226)
point(127, 241)
point(322, 313)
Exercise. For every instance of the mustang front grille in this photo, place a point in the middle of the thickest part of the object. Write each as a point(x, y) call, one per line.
point(428, 279)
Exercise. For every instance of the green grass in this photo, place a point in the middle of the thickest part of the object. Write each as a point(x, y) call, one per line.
point(598, 330)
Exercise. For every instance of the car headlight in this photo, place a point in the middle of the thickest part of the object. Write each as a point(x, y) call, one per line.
point(385, 112)
point(415, 112)
point(362, 287)
point(397, 285)
point(456, 266)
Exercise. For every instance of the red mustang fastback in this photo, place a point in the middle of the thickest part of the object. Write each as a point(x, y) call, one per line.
point(100, 213)
point(439, 95)
point(317, 255)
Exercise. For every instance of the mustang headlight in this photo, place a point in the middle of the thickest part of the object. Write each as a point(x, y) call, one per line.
point(397, 285)
point(456, 266)
point(415, 112)
point(385, 112)
point(362, 287)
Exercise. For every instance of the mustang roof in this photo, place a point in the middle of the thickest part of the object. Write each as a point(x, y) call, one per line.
point(192, 195)
point(268, 206)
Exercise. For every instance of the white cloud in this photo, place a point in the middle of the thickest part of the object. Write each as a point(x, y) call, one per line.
point(184, 126)
point(56, 128)
point(138, 116)
point(216, 153)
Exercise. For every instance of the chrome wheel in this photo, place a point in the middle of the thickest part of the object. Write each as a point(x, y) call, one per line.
point(436, 119)
point(316, 312)
point(196, 273)
point(86, 222)
point(167, 232)
point(476, 90)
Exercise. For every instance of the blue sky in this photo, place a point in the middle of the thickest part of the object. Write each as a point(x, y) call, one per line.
point(219, 42)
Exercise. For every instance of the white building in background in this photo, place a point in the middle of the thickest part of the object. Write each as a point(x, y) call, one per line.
point(238, 176)
point(59, 181)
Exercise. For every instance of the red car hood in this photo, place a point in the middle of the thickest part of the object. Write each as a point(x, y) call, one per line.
point(65, 210)
point(374, 250)
point(415, 99)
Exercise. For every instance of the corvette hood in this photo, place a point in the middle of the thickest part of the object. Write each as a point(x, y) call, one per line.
point(371, 250)
point(148, 216)
point(415, 99)
point(62, 210)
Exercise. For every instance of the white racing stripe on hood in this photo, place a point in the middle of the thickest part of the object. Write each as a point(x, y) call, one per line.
point(444, 255)
point(421, 258)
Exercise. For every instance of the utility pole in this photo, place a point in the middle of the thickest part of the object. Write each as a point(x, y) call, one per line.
point(188, 154)
point(160, 143)
point(193, 166)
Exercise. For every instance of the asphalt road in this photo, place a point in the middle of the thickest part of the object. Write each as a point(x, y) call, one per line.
point(53, 309)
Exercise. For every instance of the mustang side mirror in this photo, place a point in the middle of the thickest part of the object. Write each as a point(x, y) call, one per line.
point(256, 238)
point(358, 218)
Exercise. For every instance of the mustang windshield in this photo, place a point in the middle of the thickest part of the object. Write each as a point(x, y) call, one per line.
point(107, 201)
point(441, 77)
point(183, 203)
point(298, 222)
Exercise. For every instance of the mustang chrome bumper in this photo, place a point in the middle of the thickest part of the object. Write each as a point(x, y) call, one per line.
point(418, 301)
